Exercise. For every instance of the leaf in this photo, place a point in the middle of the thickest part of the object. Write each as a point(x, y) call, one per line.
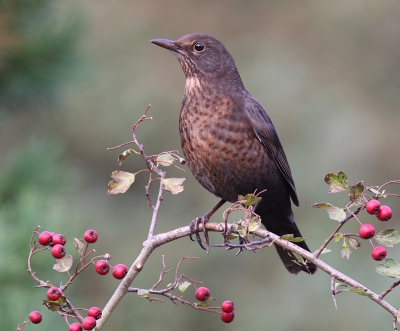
point(80, 246)
point(64, 264)
point(357, 203)
point(326, 250)
point(121, 182)
point(345, 251)
point(183, 286)
point(356, 190)
point(143, 293)
point(205, 303)
point(55, 305)
point(165, 160)
point(354, 243)
point(336, 214)
point(391, 268)
point(321, 205)
point(239, 226)
point(359, 290)
point(374, 191)
point(338, 236)
point(250, 199)
point(254, 224)
point(388, 237)
point(398, 316)
point(337, 182)
point(125, 154)
point(291, 238)
point(173, 185)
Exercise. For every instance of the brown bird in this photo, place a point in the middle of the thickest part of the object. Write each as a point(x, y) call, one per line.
point(229, 141)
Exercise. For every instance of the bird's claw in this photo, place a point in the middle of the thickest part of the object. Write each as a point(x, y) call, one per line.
point(194, 228)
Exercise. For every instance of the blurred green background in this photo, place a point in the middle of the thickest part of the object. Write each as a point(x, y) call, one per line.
point(74, 77)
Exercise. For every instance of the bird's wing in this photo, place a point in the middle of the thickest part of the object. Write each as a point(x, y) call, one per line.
point(266, 133)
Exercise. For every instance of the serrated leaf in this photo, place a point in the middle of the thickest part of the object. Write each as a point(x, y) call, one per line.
point(391, 268)
point(338, 236)
point(165, 160)
point(55, 305)
point(121, 182)
point(345, 251)
point(80, 247)
point(356, 190)
point(326, 250)
point(125, 154)
point(183, 286)
point(336, 214)
point(388, 237)
point(336, 182)
point(321, 205)
point(205, 303)
point(359, 291)
point(143, 293)
point(173, 185)
point(64, 264)
point(250, 199)
point(291, 238)
point(354, 243)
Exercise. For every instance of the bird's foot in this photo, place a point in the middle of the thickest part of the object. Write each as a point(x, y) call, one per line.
point(194, 229)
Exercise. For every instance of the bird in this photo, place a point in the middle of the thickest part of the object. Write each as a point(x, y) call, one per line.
point(229, 142)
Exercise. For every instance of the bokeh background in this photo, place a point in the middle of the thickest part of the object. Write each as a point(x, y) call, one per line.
point(74, 77)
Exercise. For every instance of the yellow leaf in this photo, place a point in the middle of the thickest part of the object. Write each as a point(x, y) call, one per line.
point(173, 185)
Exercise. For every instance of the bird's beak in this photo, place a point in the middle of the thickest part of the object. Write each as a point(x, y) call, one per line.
point(165, 43)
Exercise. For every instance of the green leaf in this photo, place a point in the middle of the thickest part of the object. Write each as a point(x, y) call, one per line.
point(64, 264)
point(391, 268)
point(357, 203)
point(250, 199)
point(337, 183)
point(338, 236)
point(121, 182)
point(125, 154)
point(205, 303)
point(183, 286)
point(326, 250)
point(336, 214)
point(388, 237)
point(254, 224)
point(173, 185)
point(55, 305)
point(354, 243)
point(321, 205)
point(143, 293)
point(356, 190)
point(290, 237)
point(80, 247)
point(345, 251)
point(359, 290)
point(165, 160)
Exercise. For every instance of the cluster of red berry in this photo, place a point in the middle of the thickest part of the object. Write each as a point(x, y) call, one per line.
point(367, 231)
point(227, 307)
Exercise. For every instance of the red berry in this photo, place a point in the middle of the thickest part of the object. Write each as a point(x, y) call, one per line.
point(58, 251)
point(227, 317)
point(89, 323)
point(384, 213)
point(35, 317)
point(45, 238)
point(75, 327)
point(202, 294)
point(95, 312)
point(59, 239)
point(379, 253)
point(227, 306)
point(120, 271)
point(372, 206)
point(366, 231)
point(102, 267)
point(90, 236)
point(53, 293)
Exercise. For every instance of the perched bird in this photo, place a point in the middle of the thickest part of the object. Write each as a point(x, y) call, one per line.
point(229, 141)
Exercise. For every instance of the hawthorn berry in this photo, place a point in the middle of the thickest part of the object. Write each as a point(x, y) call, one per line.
point(45, 238)
point(384, 213)
point(59, 239)
point(372, 206)
point(119, 271)
point(95, 312)
point(227, 317)
point(102, 267)
point(90, 236)
point(379, 253)
point(89, 323)
point(227, 306)
point(75, 327)
point(202, 294)
point(35, 317)
point(58, 251)
point(53, 293)
point(366, 231)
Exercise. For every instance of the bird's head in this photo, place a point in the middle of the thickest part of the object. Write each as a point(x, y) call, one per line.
point(204, 58)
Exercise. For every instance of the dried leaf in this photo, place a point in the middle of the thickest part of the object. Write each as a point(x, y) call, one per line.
point(391, 268)
point(356, 190)
point(336, 214)
point(173, 185)
point(326, 250)
point(321, 205)
point(80, 246)
point(125, 154)
point(336, 182)
point(183, 286)
point(354, 243)
point(388, 237)
point(165, 160)
point(345, 251)
point(64, 264)
point(121, 182)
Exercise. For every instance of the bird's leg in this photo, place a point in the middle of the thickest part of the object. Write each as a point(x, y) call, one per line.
point(194, 226)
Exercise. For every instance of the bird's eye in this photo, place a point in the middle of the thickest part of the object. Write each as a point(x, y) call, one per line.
point(199, 47)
